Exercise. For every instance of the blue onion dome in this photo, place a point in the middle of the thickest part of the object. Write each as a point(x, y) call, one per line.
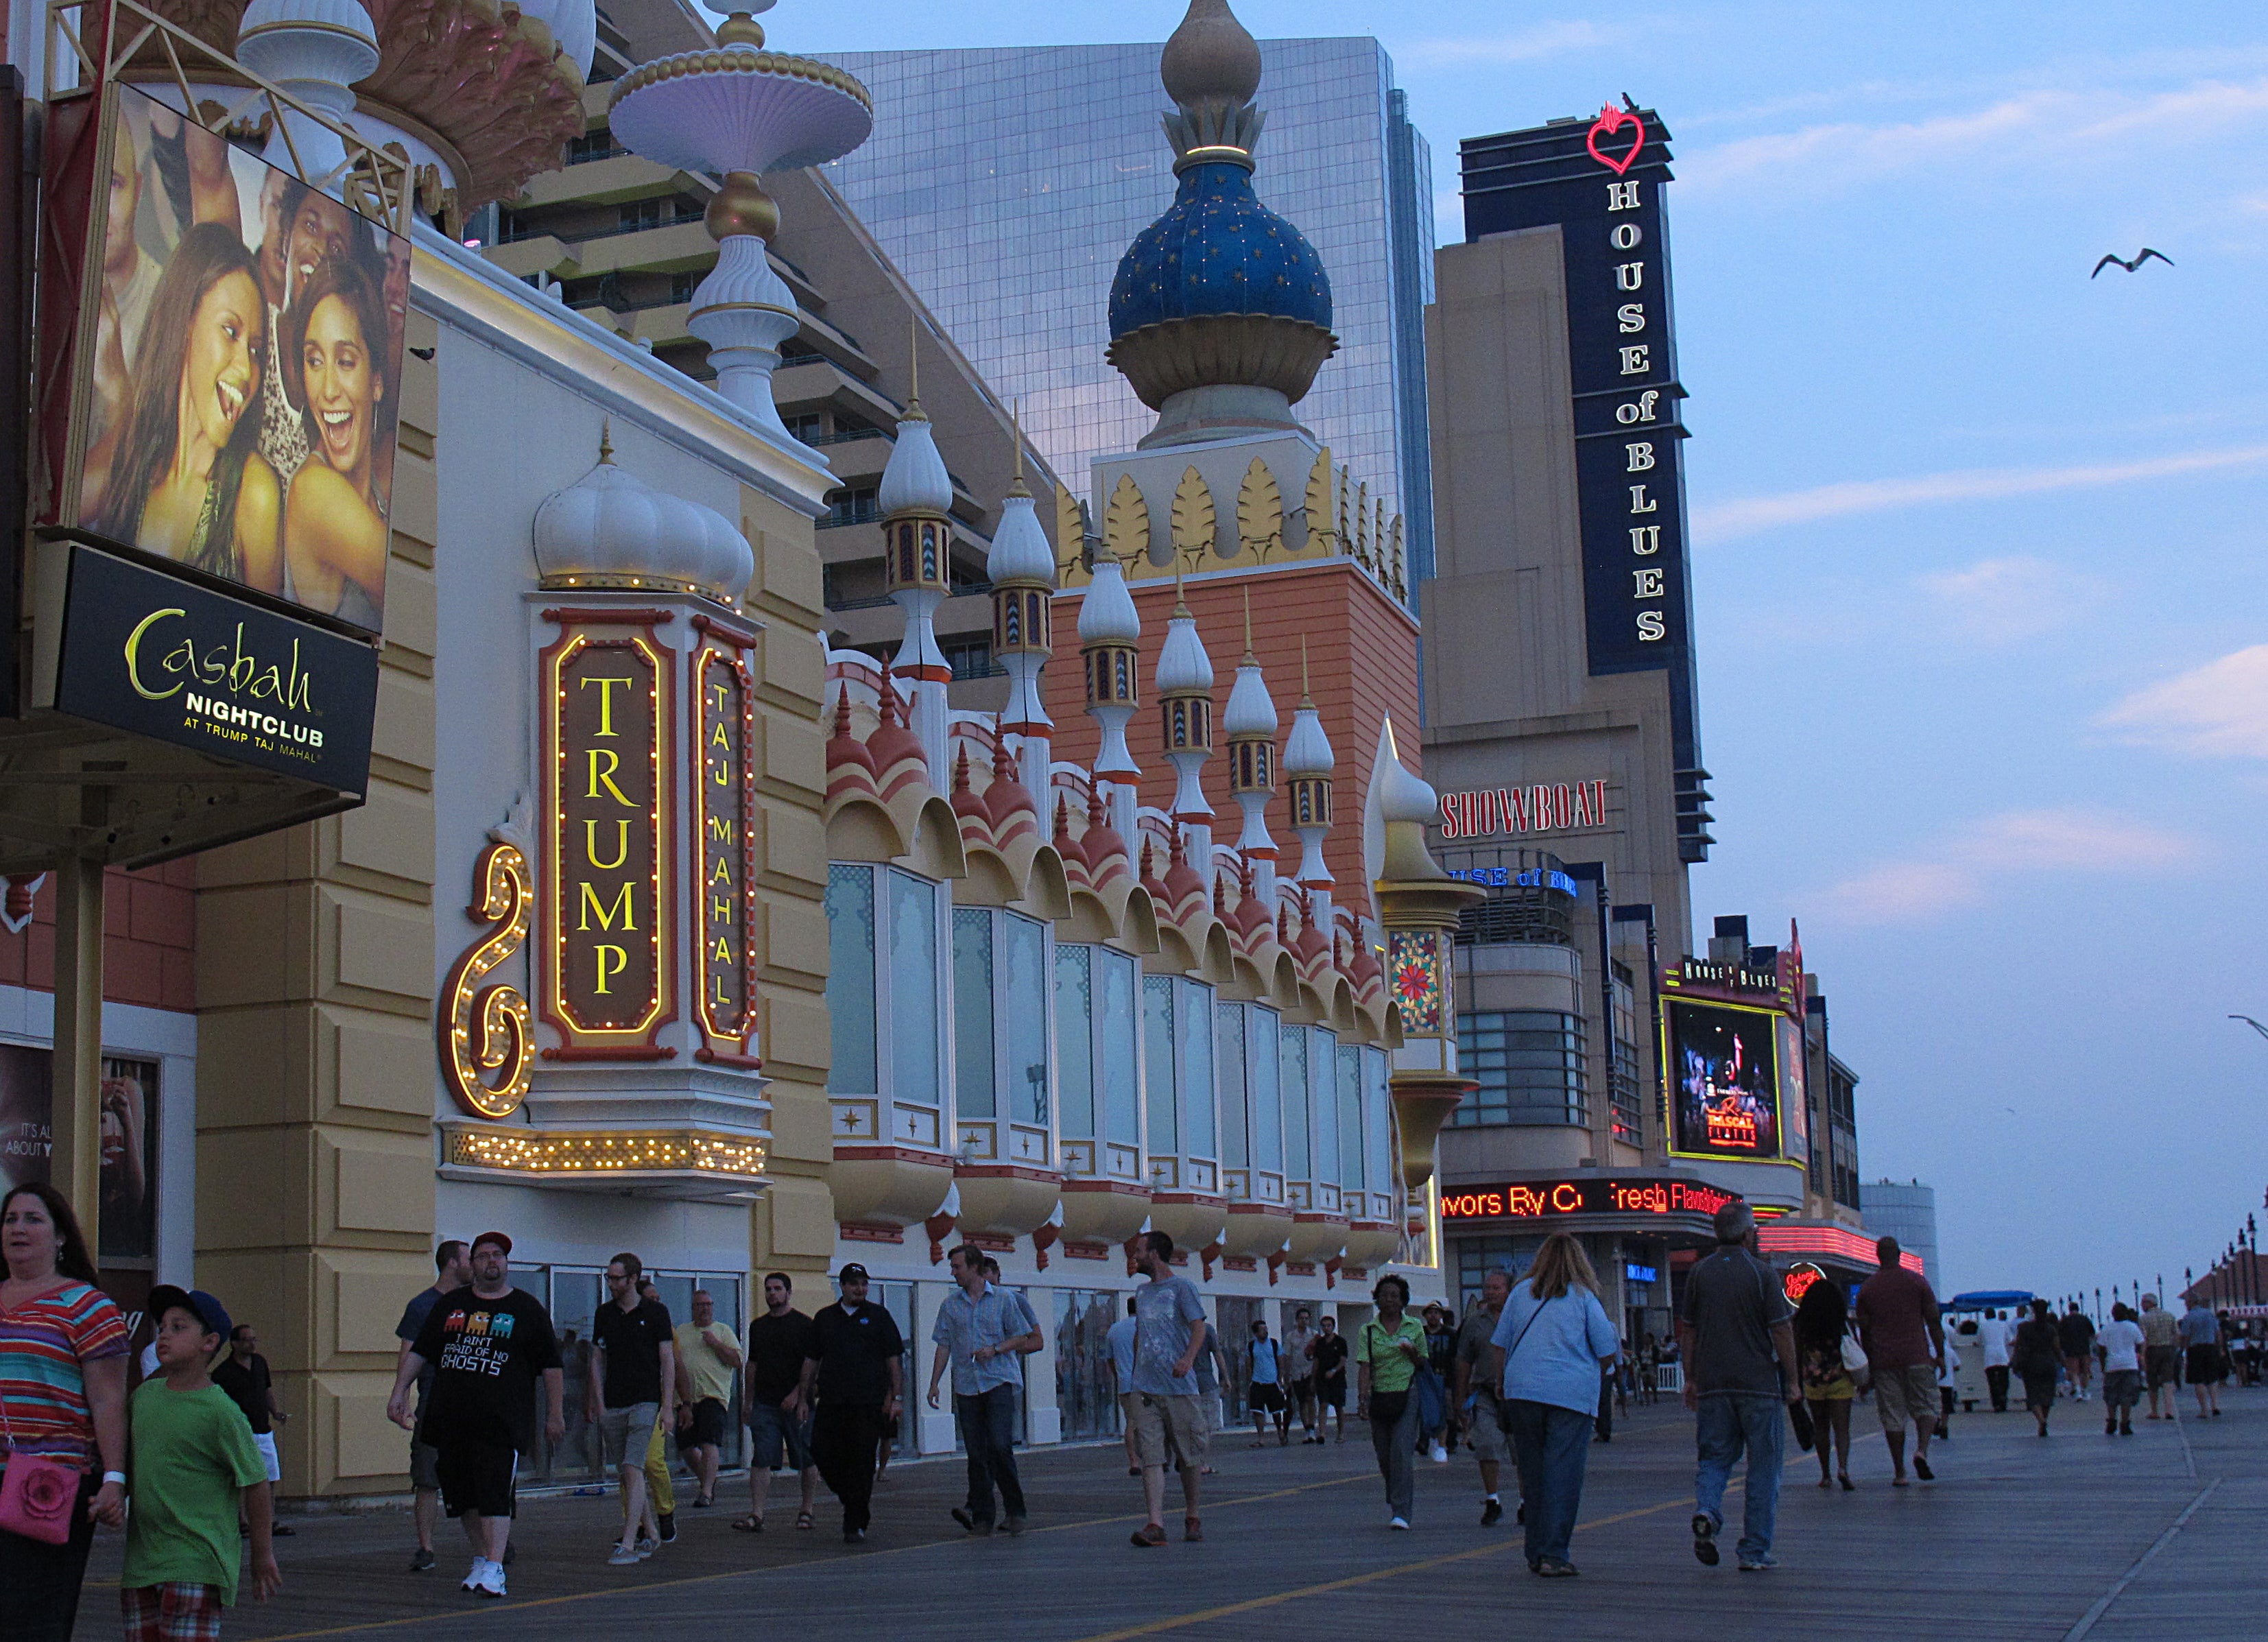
point(1218, 250)
point(1220, 292)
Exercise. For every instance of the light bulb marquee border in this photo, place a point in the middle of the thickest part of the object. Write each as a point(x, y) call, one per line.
point(631, 632)
point(719, 663)
point(603, 1153)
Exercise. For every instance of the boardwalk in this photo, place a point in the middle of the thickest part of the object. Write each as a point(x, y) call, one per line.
point(2019, 1538)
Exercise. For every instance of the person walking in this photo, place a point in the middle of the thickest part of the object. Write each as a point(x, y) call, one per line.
point(1170, 1333)
point(779, 1420)
point(1300, 1359)
point(2207, 1366)
point(1436, 1418)
point(1331, 1350)
point(487, 1346)
point(1118, 1342)
point(660, 1492)
point(631, 1392)
point(452, 1269)
point(708, 1361)
point(1992, 1332)
point(1740, 1371)
point(854, 1383)
point(2036, 1358)
point(1828, 1388)
point(244, 1375)
point(1212, 1372)
point(2120, 1345)
point(63, 1347)
point(193, 1463)
point(2161, 1353)
point(2075, 1337)
point(1948, 1386)
point(1905, 1341)
point(1388, 1353)
point(984, 1333)
point(1475, 1394)
point(1264, 1388)
point(1550, 1343)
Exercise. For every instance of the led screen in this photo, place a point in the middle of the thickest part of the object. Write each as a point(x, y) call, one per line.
point(1724, 1094)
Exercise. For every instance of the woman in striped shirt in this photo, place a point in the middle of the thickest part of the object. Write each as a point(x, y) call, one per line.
point(63, 1393)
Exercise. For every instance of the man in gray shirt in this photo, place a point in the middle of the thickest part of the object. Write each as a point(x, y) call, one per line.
point(1169, 1332)
point(1736, 1333)
point(984, 1332)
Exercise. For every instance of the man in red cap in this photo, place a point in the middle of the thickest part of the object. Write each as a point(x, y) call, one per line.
point(488, 1342)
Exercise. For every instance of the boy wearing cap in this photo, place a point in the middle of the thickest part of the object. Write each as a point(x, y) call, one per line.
point(487, 1343)
point(191, 1455)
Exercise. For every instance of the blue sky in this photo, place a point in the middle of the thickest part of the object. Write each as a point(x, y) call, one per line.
point(1978, 552)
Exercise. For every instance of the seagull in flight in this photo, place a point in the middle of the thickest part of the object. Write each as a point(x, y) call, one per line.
point(2140, 257)
point(2254, 1025)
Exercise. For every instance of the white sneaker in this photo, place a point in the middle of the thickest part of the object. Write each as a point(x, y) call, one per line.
point(1440, 1455)
point(1399, 1522)
point(492, 1580)
point(473, 1578)
point(647, 1546)
point(620, 1557)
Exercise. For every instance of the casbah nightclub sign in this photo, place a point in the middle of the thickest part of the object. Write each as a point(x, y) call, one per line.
point(162, 656)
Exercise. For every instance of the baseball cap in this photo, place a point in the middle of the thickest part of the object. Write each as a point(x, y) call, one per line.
point(852, 1273)
point(197, 1302)
point(497, 1238)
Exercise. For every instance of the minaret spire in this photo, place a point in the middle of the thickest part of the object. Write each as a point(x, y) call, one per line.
point(1022, 570)
point(1184, 681)
point(1250, 722)
point(916, 502)
point(1308, 761)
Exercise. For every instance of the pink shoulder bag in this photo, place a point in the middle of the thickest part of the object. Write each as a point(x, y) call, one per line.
point(37, 1492)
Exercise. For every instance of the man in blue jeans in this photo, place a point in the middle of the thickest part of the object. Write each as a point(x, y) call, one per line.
point(1736, 1331)
point(984, 1332)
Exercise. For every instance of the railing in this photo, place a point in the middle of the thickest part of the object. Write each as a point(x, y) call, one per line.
point(1670, 1378)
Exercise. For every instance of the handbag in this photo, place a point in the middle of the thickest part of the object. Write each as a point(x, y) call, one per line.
point(1800, 1417)
point(1854, 1356)
point(37, 1492)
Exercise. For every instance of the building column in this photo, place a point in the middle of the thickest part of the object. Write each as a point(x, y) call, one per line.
point(76, 1113)
point(1044, 1414)
point(936, 1424)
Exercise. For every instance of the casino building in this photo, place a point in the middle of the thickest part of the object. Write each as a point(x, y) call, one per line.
point(1627, 1085)
point(679, 911)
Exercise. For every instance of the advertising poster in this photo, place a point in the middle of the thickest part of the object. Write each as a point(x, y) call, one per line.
point(236, 376)
point(130, 1142)
point(1724, 1081)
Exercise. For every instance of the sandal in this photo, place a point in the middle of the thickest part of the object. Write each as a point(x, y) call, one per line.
point(749, 1524)
point(803, 1519)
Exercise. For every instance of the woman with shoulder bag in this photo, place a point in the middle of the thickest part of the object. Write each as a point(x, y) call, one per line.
point(2037, 1360)
point(1555, 1342)
point(1822, 1349)
point(1388, 1354)
point(62, 1414)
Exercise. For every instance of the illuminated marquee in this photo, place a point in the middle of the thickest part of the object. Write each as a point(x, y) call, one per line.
point(725, 898)
point(1548, 1199)
point(1543, 807)
point(607, 866)
point(486, 1047)
point(1797, 1281)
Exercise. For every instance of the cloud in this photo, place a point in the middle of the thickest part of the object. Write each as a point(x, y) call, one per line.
point(1748, 516)
point(2062, 126)
point(1961, 868)
point(2218, 710)
point(1550, 39)
point(2004, 600)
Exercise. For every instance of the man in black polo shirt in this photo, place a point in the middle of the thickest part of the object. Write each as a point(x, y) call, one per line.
point(852, 1382)
point(633, 1389)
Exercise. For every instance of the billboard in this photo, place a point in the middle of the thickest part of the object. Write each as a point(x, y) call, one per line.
point(1722, 1062)
point(236, 368)
point(129, 1110)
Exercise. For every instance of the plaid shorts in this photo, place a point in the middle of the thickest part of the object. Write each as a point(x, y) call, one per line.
point(171, 1613)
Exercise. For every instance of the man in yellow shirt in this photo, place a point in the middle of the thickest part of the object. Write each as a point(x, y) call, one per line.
point(708, 1361)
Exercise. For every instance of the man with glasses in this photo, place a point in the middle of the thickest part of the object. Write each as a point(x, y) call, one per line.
point(487, 1345)
point(853, 1382)
point(632, 1391)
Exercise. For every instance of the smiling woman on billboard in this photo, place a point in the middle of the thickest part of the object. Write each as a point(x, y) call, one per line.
point(187, 481)
point(334, 530)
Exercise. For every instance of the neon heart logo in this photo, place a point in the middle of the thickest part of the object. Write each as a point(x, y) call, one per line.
point(1611, 121)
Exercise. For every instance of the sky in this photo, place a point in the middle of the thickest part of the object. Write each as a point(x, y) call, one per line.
point(1978, 547)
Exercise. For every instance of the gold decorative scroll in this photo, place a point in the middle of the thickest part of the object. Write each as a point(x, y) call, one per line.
point(486, 1047)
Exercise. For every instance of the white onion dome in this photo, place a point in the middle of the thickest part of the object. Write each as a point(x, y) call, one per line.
point(1020, 546)
point(1403, 797)
point(1211, 58)
point(612, 529)
point(915, 481)
point(308, 39)
point(1308, 750)
point(1182, 664)
point(1107, 614)
point(1251, 711)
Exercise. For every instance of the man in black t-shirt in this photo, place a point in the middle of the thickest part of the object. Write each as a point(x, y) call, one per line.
point(243, 1374)
point(779, 1418)
point(633, 1388)
point(487, 1344)
point(852, 1381)
point(452, 1269)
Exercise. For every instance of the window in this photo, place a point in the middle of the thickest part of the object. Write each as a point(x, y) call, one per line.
point(1236, 1118)
point(1122, 1102)
point(599, 145)
point(1200, 1109)
point(1323, 1122)
point(1267, 1097)
point(913, 989)
point(970, 657)
point(681, 287)
point(1023, 984)
point(973, 1079)
point(1529, 1064)
point(1075, 1040)
point(1000, 1039)
point(1293, 1060)
point(853, 504)
point(1379, 1172)
point(1622, 1088)
point(1159, 1065)
point(638, 215)
point(1350, 1120)
point(852, 1068)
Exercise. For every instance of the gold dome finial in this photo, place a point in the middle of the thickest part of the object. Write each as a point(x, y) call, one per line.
point(913, 412)
point(1016, 486)
point(740, 29)
point(1211, 58)
point(1251, 661)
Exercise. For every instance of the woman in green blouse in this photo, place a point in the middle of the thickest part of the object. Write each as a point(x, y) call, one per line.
point(1388, 1354)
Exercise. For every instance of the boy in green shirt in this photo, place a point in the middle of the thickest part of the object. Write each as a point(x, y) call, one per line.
point(191, 1451)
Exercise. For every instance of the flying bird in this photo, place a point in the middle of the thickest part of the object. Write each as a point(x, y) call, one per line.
point(2140, 257)
point(2254, 1025)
